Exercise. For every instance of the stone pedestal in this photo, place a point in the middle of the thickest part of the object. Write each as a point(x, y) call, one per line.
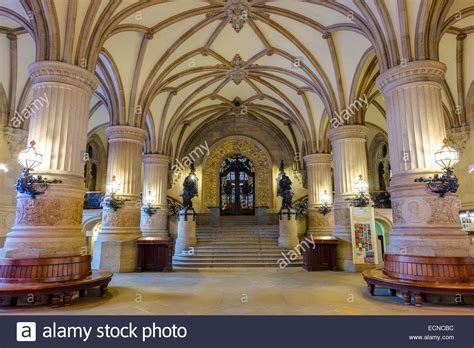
point(115, 248)
point(350, 161)
point(214, 216)
point(155, 183)
point(318, 168)
point(424, 223)
point(186, 231)
point(50, 225)
point(288, 237)
point(155, 225)
point(262, 215)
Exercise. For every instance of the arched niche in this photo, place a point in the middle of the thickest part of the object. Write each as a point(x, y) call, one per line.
point(228, 147)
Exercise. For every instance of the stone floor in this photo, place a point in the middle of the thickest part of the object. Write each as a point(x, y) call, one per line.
point(240, 292)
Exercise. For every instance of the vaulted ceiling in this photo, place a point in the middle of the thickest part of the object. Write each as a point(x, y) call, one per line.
point(173, 67)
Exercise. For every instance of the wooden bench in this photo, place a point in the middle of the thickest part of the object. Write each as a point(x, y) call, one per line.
point(56, 290)
point(57, 277)
point(415, 288)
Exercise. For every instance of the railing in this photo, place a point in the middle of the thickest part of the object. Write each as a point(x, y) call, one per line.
point(174, 206)
point(301, 206)
point(381, 199)
point(93, 200)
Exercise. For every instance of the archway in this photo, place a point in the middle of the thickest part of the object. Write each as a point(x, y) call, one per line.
point(248, 148)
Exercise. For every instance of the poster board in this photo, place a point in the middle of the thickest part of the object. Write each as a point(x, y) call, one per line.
point(364, 236)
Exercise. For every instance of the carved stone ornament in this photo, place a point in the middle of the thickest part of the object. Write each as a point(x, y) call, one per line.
point(263, 173)
point(236, 12)
point(16, 140)
point(458, 137)
point(237, 74)
point(48, 212)
point(121, 218)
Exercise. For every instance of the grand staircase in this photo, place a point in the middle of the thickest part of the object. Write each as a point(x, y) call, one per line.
point(235, 243)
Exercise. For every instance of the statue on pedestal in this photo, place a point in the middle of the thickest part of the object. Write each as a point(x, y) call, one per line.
point(190, 188)
point(284, 188)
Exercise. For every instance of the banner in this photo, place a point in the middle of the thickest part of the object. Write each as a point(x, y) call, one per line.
point(364, 236)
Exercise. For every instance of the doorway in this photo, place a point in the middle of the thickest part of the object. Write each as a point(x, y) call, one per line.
point(237, 186)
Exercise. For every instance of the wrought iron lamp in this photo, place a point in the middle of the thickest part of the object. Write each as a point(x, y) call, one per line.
point(111, 200)
point(361, 200)
point(446, 157)
point(325, 207)
point(32, 185)
point(150, 208)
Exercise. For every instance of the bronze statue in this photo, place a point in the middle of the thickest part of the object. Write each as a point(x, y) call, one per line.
point(190, 188)
point(284, 188)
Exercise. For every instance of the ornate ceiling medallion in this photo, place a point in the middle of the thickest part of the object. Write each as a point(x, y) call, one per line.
point(236, 11)
point(237, 74)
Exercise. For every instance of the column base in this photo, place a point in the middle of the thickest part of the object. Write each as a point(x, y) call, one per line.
point(319, 225)
point(154, 225)
point(115, 249)
point(424, 223)
point(117, 256)
point(288, 237)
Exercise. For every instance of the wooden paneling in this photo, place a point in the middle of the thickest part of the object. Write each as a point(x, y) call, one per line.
point(428, 268)
point(45, 270)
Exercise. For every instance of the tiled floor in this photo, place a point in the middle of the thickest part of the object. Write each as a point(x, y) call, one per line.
point(241, 291)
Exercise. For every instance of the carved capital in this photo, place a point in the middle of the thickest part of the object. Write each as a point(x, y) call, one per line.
point(413, 72)
point(348, 132)
point(16, 139)
point(126, 133)
point(63, 73)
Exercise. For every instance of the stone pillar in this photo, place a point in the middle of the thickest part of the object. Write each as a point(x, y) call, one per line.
point(288, 237)
point(186, 231)
point(424, 223)
point(155, 183)
point(51, 224)
point(12, 141)
point(115, 248)
point(349, 161)
point(318, 169)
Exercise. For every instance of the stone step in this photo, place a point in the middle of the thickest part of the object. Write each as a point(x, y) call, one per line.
point(198, 265)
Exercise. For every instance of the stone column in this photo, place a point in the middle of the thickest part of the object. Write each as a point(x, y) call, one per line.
point(155, 183)
point(424, 223)
point(318, 169)
point(115, 248)
point(349, 161)
point(50, 225)
point(12, 141)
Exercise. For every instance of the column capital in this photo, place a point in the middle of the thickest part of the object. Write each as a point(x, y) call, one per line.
point(348, 132)
point(63, 73)
point(151, 158)
point(317, 158)
point(126, 133)
point(417, 71)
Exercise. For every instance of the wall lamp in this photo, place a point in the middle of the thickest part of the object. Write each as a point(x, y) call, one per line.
point(446, 157)
point(325, 207)
point(32, 185)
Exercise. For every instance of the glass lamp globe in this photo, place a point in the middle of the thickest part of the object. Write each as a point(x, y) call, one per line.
point(361, 185)
point(325, 197)
point(446, 157)
point(114, 186)
point(30, 158)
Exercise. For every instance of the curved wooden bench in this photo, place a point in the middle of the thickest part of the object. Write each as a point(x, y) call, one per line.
point(99, 279)
point(415, 288)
